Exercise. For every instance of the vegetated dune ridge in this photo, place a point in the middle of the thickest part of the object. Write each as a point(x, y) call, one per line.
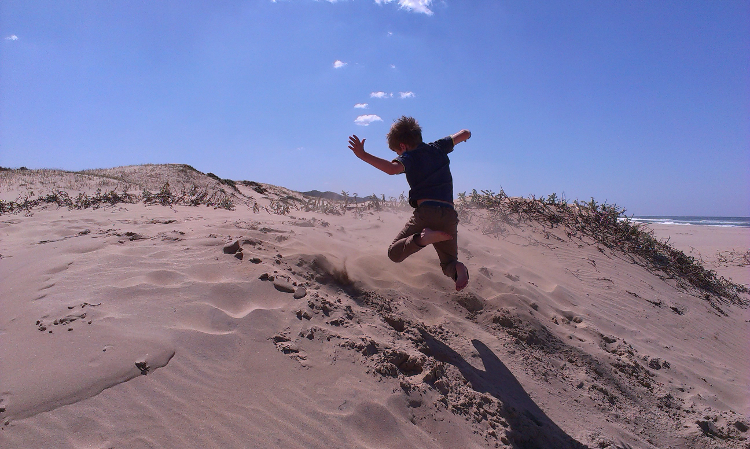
point(137, 320)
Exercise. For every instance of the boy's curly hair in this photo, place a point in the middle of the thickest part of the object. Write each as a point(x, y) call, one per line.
point(405, 130)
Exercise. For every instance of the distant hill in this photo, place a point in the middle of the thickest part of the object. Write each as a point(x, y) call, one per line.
point(181, 180)
point(333, 196)
point(324, 195)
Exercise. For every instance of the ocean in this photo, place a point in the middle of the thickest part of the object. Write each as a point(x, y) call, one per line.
point(732, 222)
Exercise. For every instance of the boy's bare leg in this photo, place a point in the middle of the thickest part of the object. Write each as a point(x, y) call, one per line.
point(462, 276)
point(429, 236)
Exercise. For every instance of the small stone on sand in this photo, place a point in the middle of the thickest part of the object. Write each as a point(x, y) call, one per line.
point(283, 285)
point(233, 248)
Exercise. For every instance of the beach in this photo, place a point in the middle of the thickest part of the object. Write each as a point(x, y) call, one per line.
point(724, 249)
point(280, 322)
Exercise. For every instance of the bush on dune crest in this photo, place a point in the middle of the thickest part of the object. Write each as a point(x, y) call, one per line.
point(117, 185)
point(607, 225)
point(193, 197)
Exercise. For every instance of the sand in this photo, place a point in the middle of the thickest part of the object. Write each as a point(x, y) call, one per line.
point(722, 249)
point(137, 325)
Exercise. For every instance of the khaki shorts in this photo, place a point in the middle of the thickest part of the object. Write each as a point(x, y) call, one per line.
point(437, 218)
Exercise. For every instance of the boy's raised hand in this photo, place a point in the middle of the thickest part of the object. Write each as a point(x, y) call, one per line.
point(461, 136)
point(357, 146)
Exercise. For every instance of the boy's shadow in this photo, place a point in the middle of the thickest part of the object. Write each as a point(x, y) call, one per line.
point(530, 427)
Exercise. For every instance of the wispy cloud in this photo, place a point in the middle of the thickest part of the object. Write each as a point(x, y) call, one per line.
point(361, 105)
point(12, 37)
point(365, 120)
point(417, 6)
point(401, 95)
point(420, 6)
point(339, 64)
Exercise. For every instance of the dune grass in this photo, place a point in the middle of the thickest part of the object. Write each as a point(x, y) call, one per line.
point(607, 225)
point(166, 197)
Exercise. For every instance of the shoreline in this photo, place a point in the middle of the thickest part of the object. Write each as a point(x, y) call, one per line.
point(693, 220)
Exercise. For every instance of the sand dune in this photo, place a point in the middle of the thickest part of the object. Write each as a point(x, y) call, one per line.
point(130, 325)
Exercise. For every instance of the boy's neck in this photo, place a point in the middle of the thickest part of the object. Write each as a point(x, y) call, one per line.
point(405, 148)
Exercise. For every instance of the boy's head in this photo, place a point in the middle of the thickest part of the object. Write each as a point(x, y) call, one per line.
point(405, 131)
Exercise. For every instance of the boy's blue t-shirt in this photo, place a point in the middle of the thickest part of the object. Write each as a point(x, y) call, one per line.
point(427, 169)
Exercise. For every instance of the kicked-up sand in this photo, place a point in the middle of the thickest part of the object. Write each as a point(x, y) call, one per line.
point(135, 325)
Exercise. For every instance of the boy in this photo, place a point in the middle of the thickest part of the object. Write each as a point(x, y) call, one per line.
point(427, 169)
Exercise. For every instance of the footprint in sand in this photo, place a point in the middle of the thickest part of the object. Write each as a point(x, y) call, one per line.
point(207, 272)
point(238, 299)
point(85, 246)
point(207, 319)
point(165, 277)
point(159, 278)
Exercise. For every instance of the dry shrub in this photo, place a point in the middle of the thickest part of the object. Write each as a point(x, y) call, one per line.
point(165, 197)
point(608, 226)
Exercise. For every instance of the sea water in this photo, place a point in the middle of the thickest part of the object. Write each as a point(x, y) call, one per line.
point(740, 222)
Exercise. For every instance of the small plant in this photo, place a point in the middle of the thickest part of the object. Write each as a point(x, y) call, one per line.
point(374, 202)
point(345, 194)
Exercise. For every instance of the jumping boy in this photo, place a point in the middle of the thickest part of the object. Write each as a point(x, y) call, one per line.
point(427, 169)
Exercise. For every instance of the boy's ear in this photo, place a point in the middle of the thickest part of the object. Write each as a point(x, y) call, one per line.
point(403, 147)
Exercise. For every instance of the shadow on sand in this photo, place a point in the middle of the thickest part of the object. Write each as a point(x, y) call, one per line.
point(530, 427)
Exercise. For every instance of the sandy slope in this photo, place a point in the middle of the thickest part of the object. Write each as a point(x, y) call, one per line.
point(129, 326)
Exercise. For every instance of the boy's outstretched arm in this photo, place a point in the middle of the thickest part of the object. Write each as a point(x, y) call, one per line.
point(358, 148)
point(461, 136)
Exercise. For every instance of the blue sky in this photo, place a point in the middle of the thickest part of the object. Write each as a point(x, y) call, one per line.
point(640, 103)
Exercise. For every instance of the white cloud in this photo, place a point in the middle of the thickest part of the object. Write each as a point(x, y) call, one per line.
point(380, 95)
point(361, 105)
point(417, 6)
point(338, 64)
point(365, 120)
point(407, 95)
point(12, 37)
point(422, 6)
